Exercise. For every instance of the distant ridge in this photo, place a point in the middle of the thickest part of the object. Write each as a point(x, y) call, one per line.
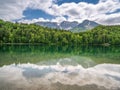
point(85, 25)
point(72, 26)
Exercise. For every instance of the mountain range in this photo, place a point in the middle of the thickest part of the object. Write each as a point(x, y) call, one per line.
point(71, 26)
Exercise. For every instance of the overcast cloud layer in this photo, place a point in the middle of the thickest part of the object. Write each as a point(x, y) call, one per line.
point(104, 12)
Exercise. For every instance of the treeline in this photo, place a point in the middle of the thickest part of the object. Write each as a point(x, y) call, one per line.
point(31, 33)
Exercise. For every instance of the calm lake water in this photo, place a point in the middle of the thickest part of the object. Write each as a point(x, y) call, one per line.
point(27, 67)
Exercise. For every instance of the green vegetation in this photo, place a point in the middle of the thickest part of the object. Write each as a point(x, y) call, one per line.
point(24, 33)
point(77, 30)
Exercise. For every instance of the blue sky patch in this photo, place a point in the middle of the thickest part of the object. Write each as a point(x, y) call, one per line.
point(35, 13)
point(77, 1)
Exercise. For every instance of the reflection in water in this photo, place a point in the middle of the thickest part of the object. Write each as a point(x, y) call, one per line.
point(36, 54)
point(59, 68)
point(58, 77)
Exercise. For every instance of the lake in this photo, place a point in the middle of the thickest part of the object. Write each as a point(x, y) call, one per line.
point(41, 67)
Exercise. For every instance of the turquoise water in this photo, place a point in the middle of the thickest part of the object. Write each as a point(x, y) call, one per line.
point(24, 67)
point(53, 54)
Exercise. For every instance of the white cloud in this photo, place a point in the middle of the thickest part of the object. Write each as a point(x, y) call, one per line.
point(40, 4)
point(13, 9)
point(81, 11)
point(31, 76)
point(112, 19)
point(33, 20)
point(59, 19)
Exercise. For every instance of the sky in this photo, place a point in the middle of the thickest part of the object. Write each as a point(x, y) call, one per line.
point(105, 12)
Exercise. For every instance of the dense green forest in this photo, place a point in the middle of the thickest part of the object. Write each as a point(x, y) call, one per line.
point(31, 33)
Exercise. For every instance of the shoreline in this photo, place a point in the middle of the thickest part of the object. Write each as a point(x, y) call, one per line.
point(106, 44)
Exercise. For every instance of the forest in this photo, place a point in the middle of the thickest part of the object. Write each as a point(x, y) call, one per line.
point(11, 33)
